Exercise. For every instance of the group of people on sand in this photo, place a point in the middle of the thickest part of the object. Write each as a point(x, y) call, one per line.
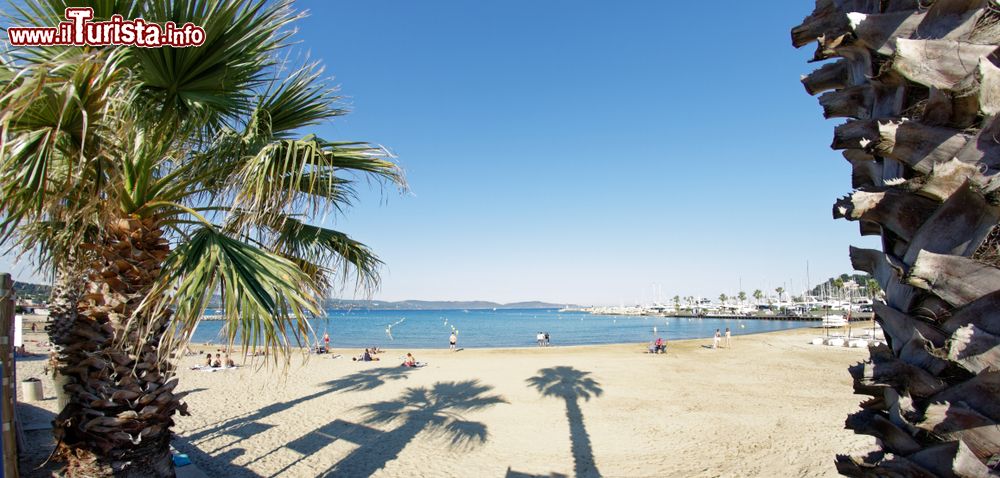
point(718, 338)
point(367, 356)
point(543, 339)
point(216, 361)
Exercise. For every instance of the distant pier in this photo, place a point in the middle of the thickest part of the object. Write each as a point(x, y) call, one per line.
point(797, 318)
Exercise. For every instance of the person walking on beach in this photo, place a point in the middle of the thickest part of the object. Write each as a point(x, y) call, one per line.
point(728, 337)
point(326, 342)
point(715, 340)
point(453, 340)
point(546, 339)
point(540, 338)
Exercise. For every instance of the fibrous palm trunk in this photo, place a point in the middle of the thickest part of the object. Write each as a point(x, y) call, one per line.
point(919, 82)
point(121, 400)
point(68, 288)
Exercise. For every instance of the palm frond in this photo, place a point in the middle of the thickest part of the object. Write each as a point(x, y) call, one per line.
point(324, 250)
point(290, 175)
point(300, 99)
point(202, 89)
point(266, 299)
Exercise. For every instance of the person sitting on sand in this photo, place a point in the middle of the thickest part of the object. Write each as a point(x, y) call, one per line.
point(365, 357)
point(409, 361)
point(229, 362)
point(218, 361)
point(661, 346)
point(208, 360)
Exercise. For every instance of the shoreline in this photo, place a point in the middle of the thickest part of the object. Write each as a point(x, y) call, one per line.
point(796, 330)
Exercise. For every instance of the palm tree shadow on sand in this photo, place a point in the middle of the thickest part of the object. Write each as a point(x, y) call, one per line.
point(571, 385)
point(437, 410)
point(244, 426)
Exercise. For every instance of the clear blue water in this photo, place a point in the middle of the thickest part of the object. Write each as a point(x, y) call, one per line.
point(505, 328)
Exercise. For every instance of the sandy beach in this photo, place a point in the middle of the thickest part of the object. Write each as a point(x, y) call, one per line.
point(771, 405)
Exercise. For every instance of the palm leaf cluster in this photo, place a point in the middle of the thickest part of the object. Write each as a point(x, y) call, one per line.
point(206, 140)
point(164, 176)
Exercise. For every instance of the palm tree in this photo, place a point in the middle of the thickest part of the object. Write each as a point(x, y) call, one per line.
point(677, 303)
point(838, 286)
point(779, 291)
point(571, 385)
point(915, 80)
point(742, 296)
point(438, 410)
point(757, 295)
point(723, 298)
point(164, 176)
point(871, 285)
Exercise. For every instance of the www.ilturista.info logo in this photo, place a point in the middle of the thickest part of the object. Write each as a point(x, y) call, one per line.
point(79, 30)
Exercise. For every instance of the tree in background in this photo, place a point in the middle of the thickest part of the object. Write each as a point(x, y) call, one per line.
point(838, 286)
point(152, 178)
point(757, 295)
point(917, 82)
point(873, 288)
point(779, 291)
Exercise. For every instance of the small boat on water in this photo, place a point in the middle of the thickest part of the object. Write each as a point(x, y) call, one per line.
point(834, 321)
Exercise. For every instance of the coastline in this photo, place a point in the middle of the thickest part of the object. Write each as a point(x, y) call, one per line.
point(817, 331)
point(430, 330)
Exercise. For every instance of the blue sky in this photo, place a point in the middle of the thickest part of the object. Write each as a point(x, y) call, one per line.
point(584, 152)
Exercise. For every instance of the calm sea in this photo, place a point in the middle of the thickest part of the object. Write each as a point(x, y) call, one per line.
point(504, 328)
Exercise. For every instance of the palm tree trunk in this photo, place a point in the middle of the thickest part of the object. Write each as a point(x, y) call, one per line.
point(917, 80)
point(67, 291)
point(117, 421)
point(583, 452)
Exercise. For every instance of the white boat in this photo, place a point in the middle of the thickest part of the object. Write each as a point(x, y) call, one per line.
point(834, 321)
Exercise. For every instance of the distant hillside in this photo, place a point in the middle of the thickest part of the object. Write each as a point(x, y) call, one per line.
point(41, 292)
point(26, 290)
point(437, 305)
